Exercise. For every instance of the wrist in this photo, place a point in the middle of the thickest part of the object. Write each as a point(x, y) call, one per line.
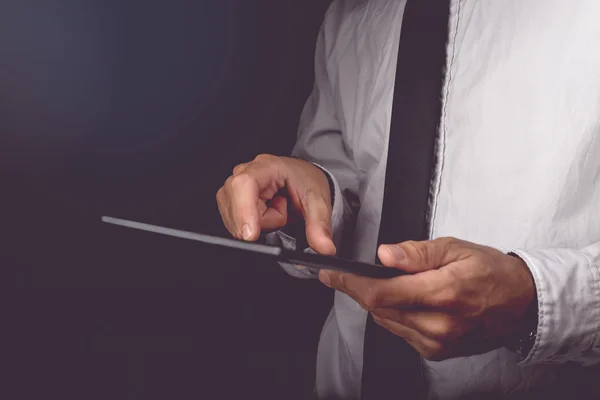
point(329, 182)
point(523, 340)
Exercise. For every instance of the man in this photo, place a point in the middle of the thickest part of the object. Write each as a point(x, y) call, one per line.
point(514, 221)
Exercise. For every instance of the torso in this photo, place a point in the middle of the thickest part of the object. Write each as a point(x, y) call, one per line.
point(519, 142)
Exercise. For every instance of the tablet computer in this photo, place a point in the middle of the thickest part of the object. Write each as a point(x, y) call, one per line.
point(280, 254)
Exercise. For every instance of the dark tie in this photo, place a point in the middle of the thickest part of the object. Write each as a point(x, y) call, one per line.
point(391, 368)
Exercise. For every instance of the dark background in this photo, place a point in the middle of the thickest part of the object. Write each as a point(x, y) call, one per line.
point(140, 110)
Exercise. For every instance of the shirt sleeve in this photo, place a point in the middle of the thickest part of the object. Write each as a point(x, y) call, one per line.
point(568, 292)
point(321, 142)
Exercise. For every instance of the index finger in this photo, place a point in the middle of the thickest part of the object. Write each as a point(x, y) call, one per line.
point(402, 291)
point(245, 191)
point(244, 214)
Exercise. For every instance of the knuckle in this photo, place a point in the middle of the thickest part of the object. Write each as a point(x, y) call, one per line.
point(442, 330)
point(423, 250)
point(239, 181)
point(264, 158)
point(339, 280)
point(238, 168)
point(371, 300)
point(448, 240)
point(227, 183)
point(274, 163)
point(433, 351)
point(447, 297)
point(221, 199)
point(449, 243)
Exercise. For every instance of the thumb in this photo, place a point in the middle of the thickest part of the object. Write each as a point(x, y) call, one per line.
point(414, 257)
point(317, 216)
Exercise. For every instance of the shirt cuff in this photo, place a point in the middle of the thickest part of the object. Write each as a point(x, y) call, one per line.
point(284, 240)
point(568, 294)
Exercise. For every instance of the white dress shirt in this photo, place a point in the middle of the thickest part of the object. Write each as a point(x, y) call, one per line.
point(519, 170)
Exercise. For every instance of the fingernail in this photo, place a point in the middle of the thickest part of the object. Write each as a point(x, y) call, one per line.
point(324, 278)
point(246, 232)
point(397, 253)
